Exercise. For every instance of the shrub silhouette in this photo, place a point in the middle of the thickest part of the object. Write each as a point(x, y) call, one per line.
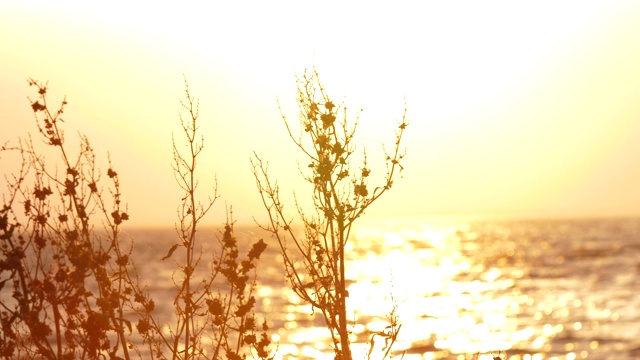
point(66, 279)
point(74, 290)
point(315, 260)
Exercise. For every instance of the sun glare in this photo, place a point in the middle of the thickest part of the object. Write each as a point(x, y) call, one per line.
point(505, 115)
point(431, 278)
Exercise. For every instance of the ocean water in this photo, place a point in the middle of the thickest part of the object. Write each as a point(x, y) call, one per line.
point(561, 289)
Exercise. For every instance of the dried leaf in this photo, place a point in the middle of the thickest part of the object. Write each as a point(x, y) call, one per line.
point(173, 248)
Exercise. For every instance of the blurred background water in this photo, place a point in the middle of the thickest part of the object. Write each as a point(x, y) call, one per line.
point(561, 289)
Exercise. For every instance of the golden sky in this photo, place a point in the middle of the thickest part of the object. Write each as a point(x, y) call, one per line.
point(516, 108)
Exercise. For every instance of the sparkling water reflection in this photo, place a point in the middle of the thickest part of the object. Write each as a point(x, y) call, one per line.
point(536, 289)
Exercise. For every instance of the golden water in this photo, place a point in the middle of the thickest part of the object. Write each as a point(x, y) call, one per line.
point(532, 289)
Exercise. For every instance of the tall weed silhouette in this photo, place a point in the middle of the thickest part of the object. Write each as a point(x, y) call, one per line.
point(315, 260)
point(214, 299)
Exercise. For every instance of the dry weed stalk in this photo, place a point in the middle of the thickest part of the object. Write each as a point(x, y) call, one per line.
point(202, 308)
point(315, 261)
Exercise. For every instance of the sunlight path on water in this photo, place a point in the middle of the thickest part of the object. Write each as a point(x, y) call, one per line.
point(418, 270)
point(449, 303)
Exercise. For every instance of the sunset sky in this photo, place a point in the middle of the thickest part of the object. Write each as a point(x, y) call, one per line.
point(528, 109)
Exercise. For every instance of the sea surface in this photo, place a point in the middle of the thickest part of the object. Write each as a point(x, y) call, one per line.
point(559, 289)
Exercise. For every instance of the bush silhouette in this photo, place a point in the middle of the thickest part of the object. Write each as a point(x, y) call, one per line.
point(71, 291)
point(67, 281)
point(315, 260)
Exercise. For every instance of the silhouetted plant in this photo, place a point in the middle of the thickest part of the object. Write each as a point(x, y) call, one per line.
point(215, 298)
point(340, 193)
point(388, 334)
point(69, 291)
point(65, 279)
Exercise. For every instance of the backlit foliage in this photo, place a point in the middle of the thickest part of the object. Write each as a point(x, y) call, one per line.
point(341, 191)
point(210, 322)
point(62, 282)
point(71, 291)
